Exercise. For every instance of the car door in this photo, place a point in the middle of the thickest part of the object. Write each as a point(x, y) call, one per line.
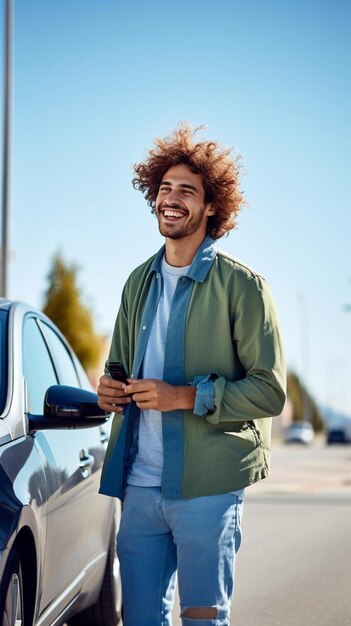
point(96, 523)
point(67, 465)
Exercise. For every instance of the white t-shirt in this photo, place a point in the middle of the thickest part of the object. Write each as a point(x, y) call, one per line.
point(147, 467)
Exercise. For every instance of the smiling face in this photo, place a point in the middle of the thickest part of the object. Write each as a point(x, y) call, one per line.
point(180, 205)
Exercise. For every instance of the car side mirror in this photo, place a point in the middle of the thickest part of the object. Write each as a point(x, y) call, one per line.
point(66, 408)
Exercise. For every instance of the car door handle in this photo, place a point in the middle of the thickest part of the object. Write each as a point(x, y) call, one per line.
point(103, 437)
point(86, 462)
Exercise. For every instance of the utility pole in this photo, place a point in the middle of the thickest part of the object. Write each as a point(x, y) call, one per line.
point(347, 307)
point(304, 337)
point(6, 145)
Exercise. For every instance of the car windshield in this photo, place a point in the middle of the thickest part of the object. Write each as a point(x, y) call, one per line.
point(3, 359)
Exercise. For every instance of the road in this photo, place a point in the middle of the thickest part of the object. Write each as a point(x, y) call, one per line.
point(294, 567)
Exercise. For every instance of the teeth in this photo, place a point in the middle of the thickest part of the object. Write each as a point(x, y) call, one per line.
point(172, 214)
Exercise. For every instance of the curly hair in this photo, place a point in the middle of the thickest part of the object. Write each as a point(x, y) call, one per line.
point(220, 174)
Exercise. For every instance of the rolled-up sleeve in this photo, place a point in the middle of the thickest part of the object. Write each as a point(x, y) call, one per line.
point(205, 394)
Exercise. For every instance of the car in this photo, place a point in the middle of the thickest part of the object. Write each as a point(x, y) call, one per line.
point(339, 431)
point(299, 432)
point(58, 559)
point(338, 427)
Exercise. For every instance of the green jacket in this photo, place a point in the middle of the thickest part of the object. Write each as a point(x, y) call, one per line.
point(223, 337)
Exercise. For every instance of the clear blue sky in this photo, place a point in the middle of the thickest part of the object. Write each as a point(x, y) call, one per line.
point(96, 81)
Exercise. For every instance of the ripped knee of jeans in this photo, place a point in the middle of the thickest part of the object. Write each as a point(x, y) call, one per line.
point(199, 612)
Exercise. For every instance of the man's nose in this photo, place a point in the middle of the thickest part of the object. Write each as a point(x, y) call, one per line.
point(173, 197)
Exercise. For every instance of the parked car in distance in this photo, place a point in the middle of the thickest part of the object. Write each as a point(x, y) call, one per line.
point(57, 534)
point(299, 432)
point(339, 430)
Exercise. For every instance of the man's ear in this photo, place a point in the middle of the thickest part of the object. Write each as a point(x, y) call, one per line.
point(209, 210)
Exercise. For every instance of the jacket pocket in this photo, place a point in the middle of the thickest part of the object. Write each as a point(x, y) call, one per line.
point(247, 434)
point(251, 426)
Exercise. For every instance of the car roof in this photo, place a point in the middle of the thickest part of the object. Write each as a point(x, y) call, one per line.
point(23, 308)
point(5, 304)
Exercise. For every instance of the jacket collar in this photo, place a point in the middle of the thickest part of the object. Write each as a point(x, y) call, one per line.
point(201, 264)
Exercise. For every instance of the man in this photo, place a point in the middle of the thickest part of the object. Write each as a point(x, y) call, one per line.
point(198, 335)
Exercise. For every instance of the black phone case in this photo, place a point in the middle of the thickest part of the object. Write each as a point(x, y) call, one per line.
point(117, 371)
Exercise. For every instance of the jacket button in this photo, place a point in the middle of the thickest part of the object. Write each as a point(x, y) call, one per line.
point(144, 327)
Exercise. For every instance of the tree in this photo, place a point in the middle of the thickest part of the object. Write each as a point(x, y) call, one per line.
point(304, 406)
point(64, 307)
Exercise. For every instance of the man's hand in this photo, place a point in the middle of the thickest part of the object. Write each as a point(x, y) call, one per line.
point(112, 395)
point(151, 393)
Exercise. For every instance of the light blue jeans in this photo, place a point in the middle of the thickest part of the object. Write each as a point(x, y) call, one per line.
point(198, 538)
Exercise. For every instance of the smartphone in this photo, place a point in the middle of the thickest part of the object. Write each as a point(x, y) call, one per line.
point(117, 371)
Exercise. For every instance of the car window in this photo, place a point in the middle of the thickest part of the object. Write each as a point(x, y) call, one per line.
point(83, 377)
point(63, 363)
point(3, 359)
point(38, 369)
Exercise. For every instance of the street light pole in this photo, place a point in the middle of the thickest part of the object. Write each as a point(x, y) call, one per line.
point(304, 356)
point(6, 146)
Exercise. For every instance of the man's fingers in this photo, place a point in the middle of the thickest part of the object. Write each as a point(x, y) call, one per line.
point(138, 386)
point(110, 407)
point(144, 392)
point(112, 392)
point(114, 399)
point(141, 396)
point(108, 381)
point(145, 405)
point(114, 408)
